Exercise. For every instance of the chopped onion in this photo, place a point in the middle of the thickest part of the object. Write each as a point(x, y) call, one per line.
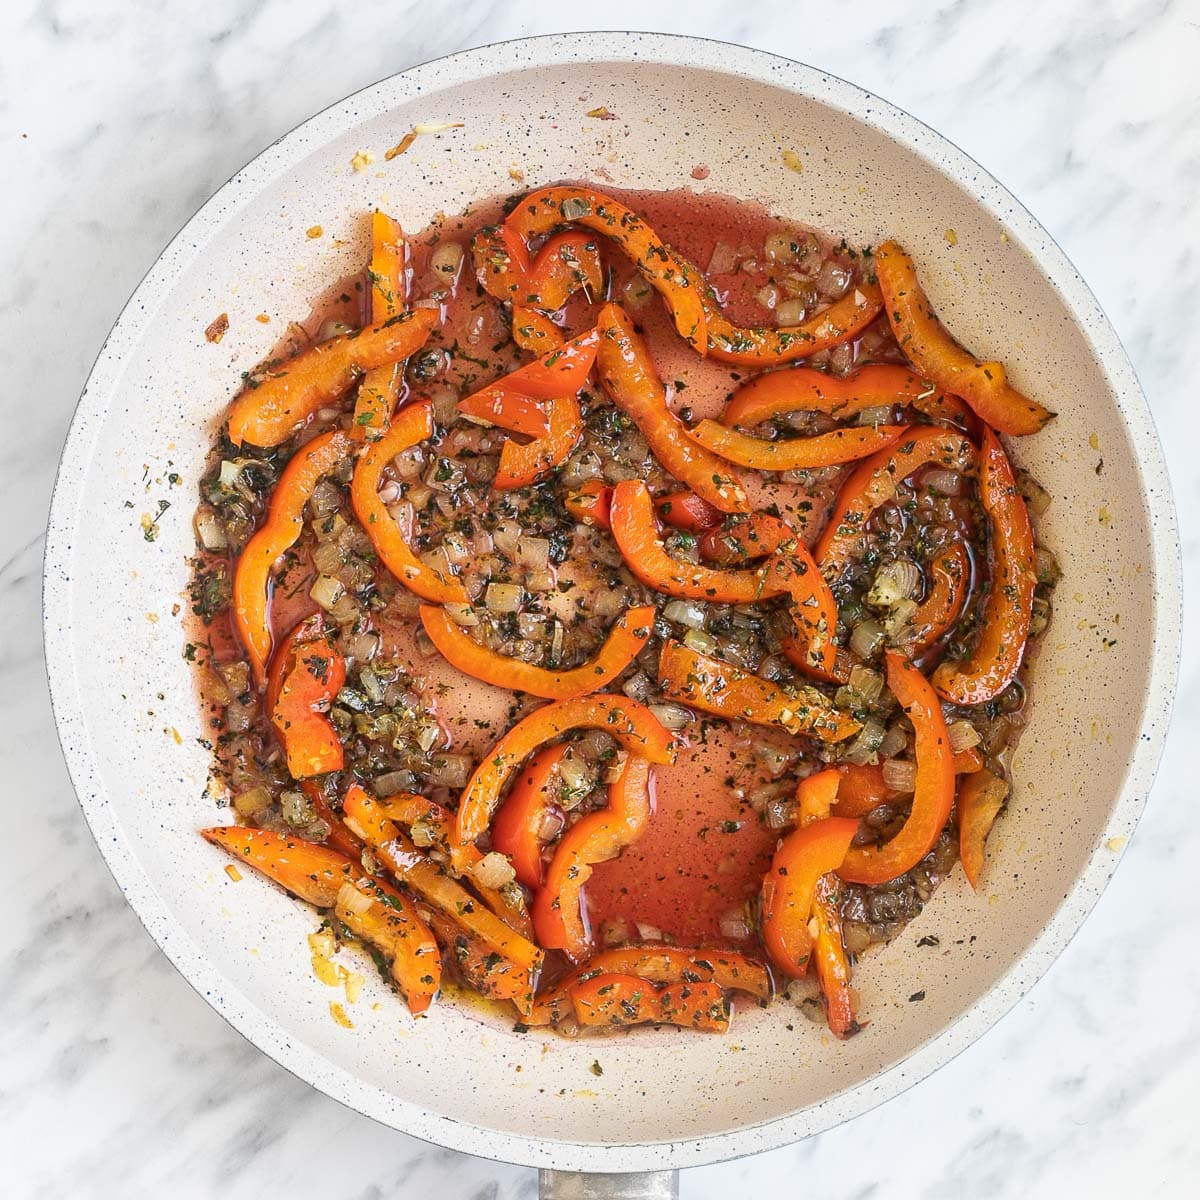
point(833, 280)
point(346, 611)
point(352, 901)
point(296, 807)
point(774, 760)
point(252, 801)
point(551, 826)
point(503, 597)
point(895, 581)
point(894, 742)
point(637, 291)
point(326, 499)
point(615, 767)
point(735, 924)
point(673, 716)
point(410, 463)
point(866, 638)
point(879, 414)
point(865, 747)
point(943, 482)
point(780, 812)
point(326, 591)
point(638, 687)
point(393, 782)
point(722, 260)
point(791, 312)
point(899, 775)
point(328, 557)
point(1045, 566)
point(781, 248)
point(963, 735)
point(534, 553)
point(493, 870)
point(649, 933)
point(507, 536)
point(701, 642)
point(686, 612)
point(462, 614)
point(578, 778)
point(767, 296)
point(450, 770)
point(867, 683)
point(331, 329)
point(1035, 495)
point(211, 530)
point(1041, 616)
point(899, 617)
point(447, 259)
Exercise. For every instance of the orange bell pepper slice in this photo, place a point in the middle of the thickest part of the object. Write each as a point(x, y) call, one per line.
point(567, 263)
point(559, 916)
point(950, 583)
point(309, 684)
point(816, 794)
point(277, 534)
point(679, 283)
point(744, 539)
point(591, 503)
point(411, 425)
point(981, 796)
point(313, 628)
point(524, 464)
point(391, 923)
point(788, 888)
point(923, 338)
point(832, 961)
point(388, 276)
point(626, 638)
point(486, 972)
point(933, 796)
point(535, 332)
point(727, 691)
point(791, 571)
point(1000, 645)
point(799, 453)
point(861, 788)
point(271, 411)
point(618, 1001)
point(628, 375)
point(631, 516)
point(804, 389)
point(310, 871)
point(517, 829)
point(874, 482)
point(340, 836)
point(630, 723)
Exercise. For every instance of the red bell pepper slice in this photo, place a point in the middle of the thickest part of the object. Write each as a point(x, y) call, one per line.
point(310, 871)
point(559, 915)
point(411, 425)
point(981, 796)
point(861, 788)
point(486, 972)
point(591, 503)
point(517, 828)
point(832, 961)
point(938, 356)
point(788, 888)
point(874, 482)
point(523, 464)
point(933, 796)
point(950, 582)
point(744, 539)
point(313, 678)
point(618, 1001)
point(727, 691)
point(1000, 646)
point(630, 723)
point(831, 449)
point(277, 534)
point(629, 376)
point(275, 408)
point(388, 276)
point(627, 637)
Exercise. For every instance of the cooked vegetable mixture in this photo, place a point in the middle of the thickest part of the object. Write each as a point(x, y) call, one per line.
point(617, 606)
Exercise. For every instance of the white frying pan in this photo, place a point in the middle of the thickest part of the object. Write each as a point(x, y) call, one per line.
point(122, 690)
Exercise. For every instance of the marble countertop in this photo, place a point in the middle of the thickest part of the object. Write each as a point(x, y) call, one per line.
point(118, 120)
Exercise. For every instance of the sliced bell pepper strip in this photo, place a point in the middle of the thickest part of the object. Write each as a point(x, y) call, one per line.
point(727, 691)
point(804, 389)
point(862, 788)
point(626, 638)
point(968, 762)
point(559, 915)
point(567, 263)
point(933, 796)
point(685, 510)
point(791, 571)
point(313, 628)
point(365, 817)
point(658, 964)
point(535, 332)
point(523, 464)
point(277, 534)
point(815, 796)
point(618, 1001)
point(340, 836)
point(486, 972)
point(832, 962)
point(981, 796)
point(272, 410)
point(590, 503)
point(848, 444)
point(950, 581)
point(388, 276)
point(313, 872)
point(924, 340)
point(411, 425)
point(749, 347)
point(628, 375)
point(788, 887)
point(388, 920)
point(874, 482)
point(517, 828)
point(631, 516)
point(1008, 609)
point(679, 283)
point(310, 742)
point(744, 539)
point(630, 723)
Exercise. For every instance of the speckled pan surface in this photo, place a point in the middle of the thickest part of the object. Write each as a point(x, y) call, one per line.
point(124, 698)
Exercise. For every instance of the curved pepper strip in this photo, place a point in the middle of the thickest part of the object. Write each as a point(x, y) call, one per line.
point(630, 723)
point(340, 836)
point(793, 572)
point(679, 283)
point(626, 638)
point(411, 425)
point(559, 915)
point(535, 332)
point(392, 924)
point(940, 358)
point(591, 503)
point(981, 796)
point(727, 691)
point(567, 263)
point(313, 628)
point(744, 539)
point(312, 872)
point(271, 411)
point(524, 464)
point(423, 876)
point(388, 276)
point(618, 1001)
point(788, 888)
point(805, 389)
point(933, 796)
point(628, 375)
point(1008, 609)
point(861, 788)
point(277, 534)
point(486, 972)
point(949, 583)
point(310, 742)
point(658, 964)
point(797, 453)
point(517, 828)
point(635, 530)
point(816, 794)
point(874, 482)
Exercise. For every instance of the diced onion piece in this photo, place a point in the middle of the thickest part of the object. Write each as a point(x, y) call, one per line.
point(866, 638)
point(866, 745)
point(393, 782)
point(507, 536)
point(1035, 495)
point(351, 900)
point(781, 248)
point(637, 292)
point(503, 597)
point(899, 617)
point(899, 775)
point(791, 312)
point(328, 557)
point(578, 778)
point(211, 530)
point(723, 259)
point(326, 591)
point(446, 259)
point(686, 612)
point(673, 716)
point(701, 642)
point(252, 801)
point(493, 870)
point(296, 807)
point(534, 553)
point(867, 683)
point(894, 742)
point(945, 483)
point(649, 933)
point(895, 581)
point(963, 735)
point(879, 414)
point(1045, 566)
point(462, 614)
point(767, 296)
point(540, 580)
point(735, 924)
point(638, 687)
point(450, 770)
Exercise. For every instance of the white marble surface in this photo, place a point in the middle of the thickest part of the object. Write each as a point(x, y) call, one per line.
point(116, 121)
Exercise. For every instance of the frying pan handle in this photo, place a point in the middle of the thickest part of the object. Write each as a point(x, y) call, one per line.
point(642, 1185)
